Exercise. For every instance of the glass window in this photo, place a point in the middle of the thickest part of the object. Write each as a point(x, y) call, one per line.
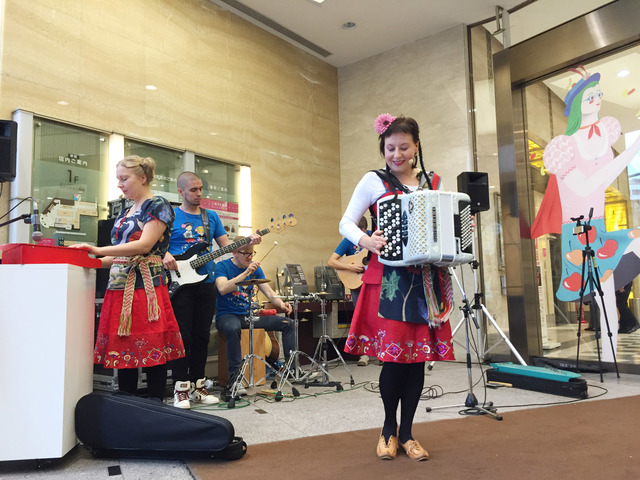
point(220, 191)
point(69, 180)
point(168, 167)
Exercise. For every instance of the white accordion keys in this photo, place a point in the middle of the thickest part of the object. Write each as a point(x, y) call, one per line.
point(426, 227)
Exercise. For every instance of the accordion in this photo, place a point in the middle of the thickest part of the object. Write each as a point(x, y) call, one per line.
point(426, 227)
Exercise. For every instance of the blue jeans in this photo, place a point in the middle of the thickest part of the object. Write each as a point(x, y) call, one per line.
point(354, 296)
point(231, 325)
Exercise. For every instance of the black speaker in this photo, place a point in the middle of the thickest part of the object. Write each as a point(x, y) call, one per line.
point(476, 185)
point(8, 140)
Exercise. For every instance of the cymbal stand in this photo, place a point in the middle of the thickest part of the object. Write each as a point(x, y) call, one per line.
point(320, 354)
point(247, 362)
point(471, 401)
point(292, 366)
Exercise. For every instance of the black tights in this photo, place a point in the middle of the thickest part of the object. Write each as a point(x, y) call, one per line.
point(400, 383)
point(156, 380)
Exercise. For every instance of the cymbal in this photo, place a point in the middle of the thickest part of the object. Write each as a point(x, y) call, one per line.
point(253, 281)
point(322, 294)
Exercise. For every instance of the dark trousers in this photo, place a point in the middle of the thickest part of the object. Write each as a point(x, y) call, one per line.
point(194, 307)
point(231, 325)
point(627, 319)
point(156, 380)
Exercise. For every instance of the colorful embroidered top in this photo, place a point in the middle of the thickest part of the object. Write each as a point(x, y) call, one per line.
point(126, 229)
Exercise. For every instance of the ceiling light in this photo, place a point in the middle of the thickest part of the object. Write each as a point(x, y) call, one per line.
point(623, 73)
point(317, 1)
point(62, 102)
point(349, 25)
point(151, 87)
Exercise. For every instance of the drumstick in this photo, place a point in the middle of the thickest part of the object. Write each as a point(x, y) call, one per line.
point(265, 255)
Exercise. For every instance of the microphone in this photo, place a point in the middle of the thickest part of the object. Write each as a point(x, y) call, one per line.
point(36, 236)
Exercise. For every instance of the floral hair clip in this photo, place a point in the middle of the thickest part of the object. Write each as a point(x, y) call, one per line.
point(382, 122)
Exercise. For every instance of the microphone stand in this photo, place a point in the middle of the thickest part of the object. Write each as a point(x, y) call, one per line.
point(24, 216)
point(593, 283)
point(471, 401)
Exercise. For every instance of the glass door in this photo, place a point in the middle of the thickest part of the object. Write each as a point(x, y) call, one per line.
point(583, 137)
point(567, 125)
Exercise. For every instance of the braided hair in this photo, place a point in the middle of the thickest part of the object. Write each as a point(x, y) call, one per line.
point(409, 126)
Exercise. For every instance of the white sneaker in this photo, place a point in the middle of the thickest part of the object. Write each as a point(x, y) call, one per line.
point(200, 394)
point(363, 361)
point(242, 391)
point(181, 395)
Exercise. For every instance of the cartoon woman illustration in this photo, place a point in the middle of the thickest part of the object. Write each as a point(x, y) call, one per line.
point(583, 165)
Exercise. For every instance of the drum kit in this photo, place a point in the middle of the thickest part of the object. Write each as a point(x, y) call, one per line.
point(291, 372)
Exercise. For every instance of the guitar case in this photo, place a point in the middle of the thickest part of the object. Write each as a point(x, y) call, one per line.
point(121, 425)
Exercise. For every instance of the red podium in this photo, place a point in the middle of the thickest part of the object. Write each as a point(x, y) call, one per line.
point(30, 253)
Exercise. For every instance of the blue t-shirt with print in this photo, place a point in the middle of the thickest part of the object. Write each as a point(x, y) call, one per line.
point(188, 230)
point(237, 301)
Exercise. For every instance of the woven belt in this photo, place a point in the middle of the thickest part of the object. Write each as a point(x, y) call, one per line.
point(142, 262)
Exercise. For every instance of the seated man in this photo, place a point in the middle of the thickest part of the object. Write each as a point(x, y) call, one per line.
point(233, 307)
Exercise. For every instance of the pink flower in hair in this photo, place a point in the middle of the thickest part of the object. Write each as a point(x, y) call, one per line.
point(382, 122)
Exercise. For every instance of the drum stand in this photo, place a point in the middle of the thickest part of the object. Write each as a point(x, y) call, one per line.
point(471, 402)
point(292, 366)
point(247, 362)
point(320, 355)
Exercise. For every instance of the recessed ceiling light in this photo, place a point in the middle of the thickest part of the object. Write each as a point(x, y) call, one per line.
point(349, 25)
point(623, 73)
point(151, 87)
point(62, 102)
point(317, 1)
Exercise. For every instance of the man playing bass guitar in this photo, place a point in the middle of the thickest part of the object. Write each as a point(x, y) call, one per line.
point(194, 304)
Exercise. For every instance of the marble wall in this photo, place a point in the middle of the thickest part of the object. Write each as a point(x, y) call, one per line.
point(426, 80)
point(226, 89)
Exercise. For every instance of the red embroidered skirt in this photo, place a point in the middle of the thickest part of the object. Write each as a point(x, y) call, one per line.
point(393, 340)
point(149, 344)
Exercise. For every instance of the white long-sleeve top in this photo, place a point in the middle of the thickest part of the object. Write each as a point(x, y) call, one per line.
point(369, 189)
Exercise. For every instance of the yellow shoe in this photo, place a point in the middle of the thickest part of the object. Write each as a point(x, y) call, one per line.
point(415, 451)
point(387, 451)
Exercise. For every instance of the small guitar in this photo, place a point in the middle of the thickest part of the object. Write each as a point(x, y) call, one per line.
point(349, 279)
point(189, 261)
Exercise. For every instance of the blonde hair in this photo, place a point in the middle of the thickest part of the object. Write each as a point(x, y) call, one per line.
point(142, 166)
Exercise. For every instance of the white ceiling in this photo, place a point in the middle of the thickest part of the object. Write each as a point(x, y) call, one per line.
point(380, 24)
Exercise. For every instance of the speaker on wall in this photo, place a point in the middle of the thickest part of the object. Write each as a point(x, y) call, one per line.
point(8, 140)
point(476, 185)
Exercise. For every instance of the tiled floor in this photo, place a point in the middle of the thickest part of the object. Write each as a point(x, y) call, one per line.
point(320, 410)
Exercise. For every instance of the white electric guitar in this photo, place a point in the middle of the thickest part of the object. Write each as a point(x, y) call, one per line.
point(189, 261)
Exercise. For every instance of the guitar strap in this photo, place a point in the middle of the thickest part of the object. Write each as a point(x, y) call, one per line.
point(205, 223)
